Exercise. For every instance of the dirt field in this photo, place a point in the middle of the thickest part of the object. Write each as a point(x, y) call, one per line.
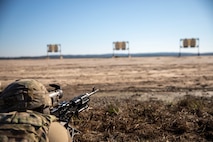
point(148, 77)
point(139, 83)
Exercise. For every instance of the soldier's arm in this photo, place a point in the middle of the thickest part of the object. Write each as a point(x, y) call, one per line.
point(58, 133)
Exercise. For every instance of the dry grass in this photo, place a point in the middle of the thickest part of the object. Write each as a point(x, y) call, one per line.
point(189, 119)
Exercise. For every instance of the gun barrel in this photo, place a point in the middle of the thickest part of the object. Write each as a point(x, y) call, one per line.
point(93, 92)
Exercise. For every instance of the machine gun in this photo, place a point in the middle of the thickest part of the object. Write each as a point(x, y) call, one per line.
point(65, 110)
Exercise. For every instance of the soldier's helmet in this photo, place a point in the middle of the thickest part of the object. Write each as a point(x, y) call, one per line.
point(24, 94)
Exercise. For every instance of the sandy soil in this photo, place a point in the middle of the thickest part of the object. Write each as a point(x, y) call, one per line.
point(144, 78)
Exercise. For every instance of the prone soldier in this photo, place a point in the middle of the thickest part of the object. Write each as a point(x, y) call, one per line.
point(25, 114)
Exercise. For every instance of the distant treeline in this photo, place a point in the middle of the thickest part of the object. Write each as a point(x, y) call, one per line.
point(159, 54)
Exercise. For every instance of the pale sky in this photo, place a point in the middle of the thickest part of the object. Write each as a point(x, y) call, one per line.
point(91, 26)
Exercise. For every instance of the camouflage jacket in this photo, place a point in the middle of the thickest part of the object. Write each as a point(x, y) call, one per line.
point(27, 126)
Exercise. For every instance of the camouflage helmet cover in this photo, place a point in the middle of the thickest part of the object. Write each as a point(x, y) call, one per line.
point(24, 94)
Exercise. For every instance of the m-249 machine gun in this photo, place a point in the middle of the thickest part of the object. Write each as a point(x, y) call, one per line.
point(65, 110)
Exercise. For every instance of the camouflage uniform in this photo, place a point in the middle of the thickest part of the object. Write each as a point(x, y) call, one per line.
point(18, 119)
point(24, 126)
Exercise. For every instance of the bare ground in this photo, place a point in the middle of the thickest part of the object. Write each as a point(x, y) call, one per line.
point(140, 99)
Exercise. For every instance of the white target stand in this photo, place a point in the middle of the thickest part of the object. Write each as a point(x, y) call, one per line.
point(189, 43)
point(120, 46)
point(54, 48)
